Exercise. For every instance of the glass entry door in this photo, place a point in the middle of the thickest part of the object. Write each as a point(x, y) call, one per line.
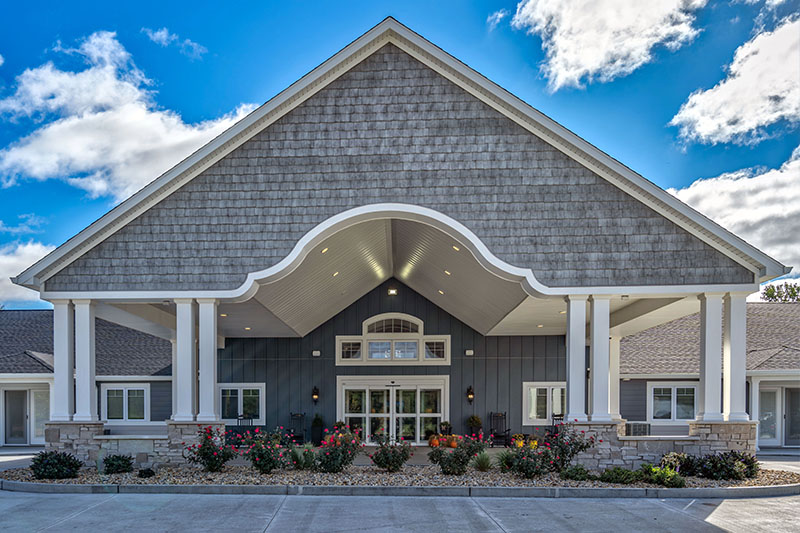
point(16, 415)
point(40, 405)
point(792, 408)
point(769, 417)
point(409, 412)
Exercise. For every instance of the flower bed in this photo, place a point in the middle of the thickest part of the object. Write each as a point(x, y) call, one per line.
point(409, 475)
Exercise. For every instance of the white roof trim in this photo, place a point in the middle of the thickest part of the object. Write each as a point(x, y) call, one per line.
point(392, 31)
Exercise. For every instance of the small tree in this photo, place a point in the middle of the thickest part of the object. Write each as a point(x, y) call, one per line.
point(788, 292)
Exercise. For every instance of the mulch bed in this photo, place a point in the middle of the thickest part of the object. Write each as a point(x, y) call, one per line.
point(410, 475)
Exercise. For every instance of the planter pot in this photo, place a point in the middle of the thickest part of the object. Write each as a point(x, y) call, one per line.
point(474, 430)
point(316, 435)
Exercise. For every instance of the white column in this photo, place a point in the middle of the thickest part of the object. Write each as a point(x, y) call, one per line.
point(576, 359)
point(62, 396)
point(185, 373)
point(755, 397)
point(734, 358)
point(709, 393)
point(208, 360)
point(613, 378)
point(85, 388)
point(599, 357)
point(174, 384)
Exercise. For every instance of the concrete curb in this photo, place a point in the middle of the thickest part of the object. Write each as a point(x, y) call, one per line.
point(475, 492)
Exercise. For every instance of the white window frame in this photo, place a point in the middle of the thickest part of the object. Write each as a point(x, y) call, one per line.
point(125, 387)
point(262, 403)
point(419, 337)
point(672, 421)
point(526, 388)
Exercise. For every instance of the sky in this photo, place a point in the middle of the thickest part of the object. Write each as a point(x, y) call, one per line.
point(701, 97)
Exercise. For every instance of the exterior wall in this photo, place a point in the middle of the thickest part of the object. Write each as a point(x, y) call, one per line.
point(704, 438)
point(496, 371)
point(389, 130)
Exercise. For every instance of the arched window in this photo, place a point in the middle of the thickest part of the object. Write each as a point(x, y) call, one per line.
point(393, 338)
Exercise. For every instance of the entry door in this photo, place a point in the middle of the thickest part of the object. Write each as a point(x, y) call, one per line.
point(40, 405)
point(769, 417)
point(16, 415)
point(792, 409)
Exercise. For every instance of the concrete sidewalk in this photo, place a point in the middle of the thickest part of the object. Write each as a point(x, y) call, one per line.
point(23, 512)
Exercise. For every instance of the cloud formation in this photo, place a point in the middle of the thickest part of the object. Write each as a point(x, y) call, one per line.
point(2, 60)
point(762, 88)
point(599, 40)
point(494, 19)
point(760, 206)
point(14, 258)
point(164, 37)
point(29, 223)
point(100, 128)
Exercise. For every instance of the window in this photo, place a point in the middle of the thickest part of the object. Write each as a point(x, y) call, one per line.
point(542, 400)
point(241, 399)
point(125, 402)
point(670, 402)
point(393, 338)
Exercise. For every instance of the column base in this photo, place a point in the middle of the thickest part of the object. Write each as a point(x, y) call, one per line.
point(737, 417)
point(183, 418)
point(212, 419)
point(601, 418)
point(85, 418)
point(710, 417)
point(576, 417)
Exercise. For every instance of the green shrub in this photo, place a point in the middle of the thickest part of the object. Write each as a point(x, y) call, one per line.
point(211, 452)
point(302, 457)
point(391, 456)
point(504, 460)
point(728, 465)
point(683, 463)
point(577, 473)
point(620, 475)
point(474, 421)
point(482, 462)
point(665, 476)
point(117, 464)
point(474, 445)
point(55, 465)
point(266, 456)
point(453, 462)
point(338, 450)
point(532, 462)
point(565, 445)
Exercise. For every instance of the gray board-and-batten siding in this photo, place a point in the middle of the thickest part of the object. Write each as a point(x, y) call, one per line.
point(496, 370)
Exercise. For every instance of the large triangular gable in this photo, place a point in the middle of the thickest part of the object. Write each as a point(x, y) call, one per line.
point(390, 32)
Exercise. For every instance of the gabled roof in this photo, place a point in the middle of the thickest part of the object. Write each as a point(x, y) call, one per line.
point(391, 31)
point(773, 343)
point(26, 346)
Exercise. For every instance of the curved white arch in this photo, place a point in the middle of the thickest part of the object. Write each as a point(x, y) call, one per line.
point(457, 231)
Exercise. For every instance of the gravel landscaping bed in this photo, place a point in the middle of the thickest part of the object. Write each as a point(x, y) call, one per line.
point(409, 476)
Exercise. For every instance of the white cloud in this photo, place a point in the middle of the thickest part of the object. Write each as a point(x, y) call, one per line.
point(29, 223)
point(762, 88)
point(588, 40)
point(14, 258)
point(187, 47)
point(2, 60)
point(101, 130)
point(760, 206)
point(495, 18)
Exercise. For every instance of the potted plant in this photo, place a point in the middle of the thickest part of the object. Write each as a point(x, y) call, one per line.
point(447, 427)
point(316, 429)
point(475, 424)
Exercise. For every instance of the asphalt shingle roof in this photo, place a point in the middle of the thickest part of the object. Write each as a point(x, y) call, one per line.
point(26, 346)
point(773, 343)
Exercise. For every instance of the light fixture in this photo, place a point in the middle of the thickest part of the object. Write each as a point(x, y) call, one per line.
point(456, 248)
point(540, 326)
point(447, 272)
point(315, 353)
point(562, 312)
point(223, 314)
point(441, 292)
point(315, 394)
point(335, 273)
point(324, 250)
point(392, 292)
point(470, 394)
point(247, 329)
point(469, 353)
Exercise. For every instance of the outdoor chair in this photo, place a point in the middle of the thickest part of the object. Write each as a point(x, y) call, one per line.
point(298, 429)
point(499, 430)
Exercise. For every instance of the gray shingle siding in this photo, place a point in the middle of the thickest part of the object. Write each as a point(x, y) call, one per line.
point(393, 130)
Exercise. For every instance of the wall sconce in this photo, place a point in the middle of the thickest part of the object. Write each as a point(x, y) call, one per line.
point(470, 394)
point(469, 353)
point(315, 353)
point(315, 394)
point(392, 292)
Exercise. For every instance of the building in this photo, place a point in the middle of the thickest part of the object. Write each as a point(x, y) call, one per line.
point(393, 231)
point(659, 368)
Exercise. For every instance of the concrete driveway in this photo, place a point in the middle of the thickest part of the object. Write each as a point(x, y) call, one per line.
point(119, 512)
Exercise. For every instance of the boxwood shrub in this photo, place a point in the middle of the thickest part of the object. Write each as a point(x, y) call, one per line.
point(117, 464)
point(55, 465)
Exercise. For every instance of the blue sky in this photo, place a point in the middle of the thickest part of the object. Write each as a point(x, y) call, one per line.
point(211, 60)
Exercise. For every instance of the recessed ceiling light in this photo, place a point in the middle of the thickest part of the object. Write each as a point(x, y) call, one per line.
point(447, 272)
point(335, 273)
point(540, 326)
point(456, 248)
point(392, 292)
point(223, 314)
point(324, 250)
point(441, 291)
point(247, 329)
point(562, 312)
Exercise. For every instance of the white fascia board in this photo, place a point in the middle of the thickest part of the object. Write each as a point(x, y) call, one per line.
point(392, 31)
point(777, 374)
point(31, 377)
point(136, 379)
point(660, 377)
